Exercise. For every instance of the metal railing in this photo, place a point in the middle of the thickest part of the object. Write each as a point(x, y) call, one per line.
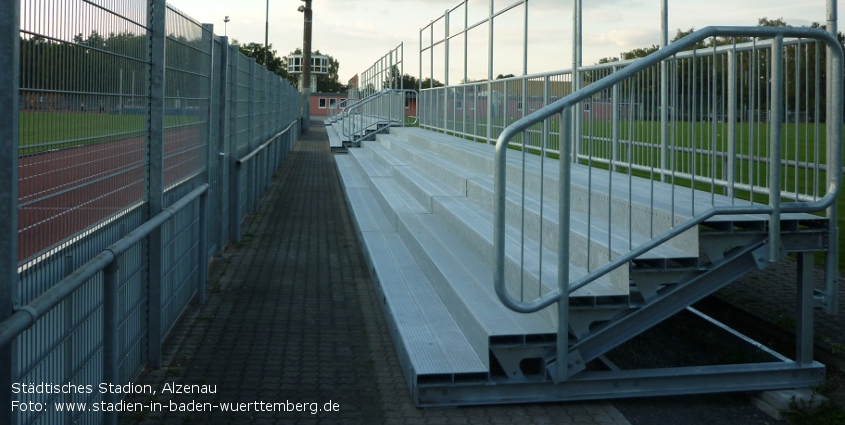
point(136, 140)
point(336, 109)
point(684, 155)
point(385, 73)
point(381, 110)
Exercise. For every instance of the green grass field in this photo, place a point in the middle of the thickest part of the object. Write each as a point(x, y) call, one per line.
point(800, 141)
point(40, 131)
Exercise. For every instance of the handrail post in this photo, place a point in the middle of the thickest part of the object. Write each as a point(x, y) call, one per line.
point(729, 163)
point(775, 147)
point(834, 156)
point(564, 177)
point(664, 93)
point(614, 124)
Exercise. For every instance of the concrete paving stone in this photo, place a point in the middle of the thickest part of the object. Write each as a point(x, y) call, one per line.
point(296, 317)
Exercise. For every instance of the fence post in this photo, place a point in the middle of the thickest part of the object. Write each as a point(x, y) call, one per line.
point(9, 94)
point(155, 177)
point(212, 107)
point(250, 166)
point(234, 170)
point(223, 139)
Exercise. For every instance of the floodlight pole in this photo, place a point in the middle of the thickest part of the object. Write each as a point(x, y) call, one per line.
point(306, 68)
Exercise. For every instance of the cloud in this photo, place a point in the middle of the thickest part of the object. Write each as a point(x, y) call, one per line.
point(626, 39)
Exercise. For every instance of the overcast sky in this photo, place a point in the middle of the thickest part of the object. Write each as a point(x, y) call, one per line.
point(357, 33)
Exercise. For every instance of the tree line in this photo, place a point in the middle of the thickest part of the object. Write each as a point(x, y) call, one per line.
point(804, 77)
point(107, 71)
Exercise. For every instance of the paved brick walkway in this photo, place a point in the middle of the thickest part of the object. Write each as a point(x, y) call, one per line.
point(291, 317)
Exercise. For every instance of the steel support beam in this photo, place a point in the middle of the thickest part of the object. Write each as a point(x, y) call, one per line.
point(674, 300)
point(631, 383)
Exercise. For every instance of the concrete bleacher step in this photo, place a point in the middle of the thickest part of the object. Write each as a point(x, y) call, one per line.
point(431, 345)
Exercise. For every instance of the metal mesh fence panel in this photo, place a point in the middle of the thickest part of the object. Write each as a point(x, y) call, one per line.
point(85, 105)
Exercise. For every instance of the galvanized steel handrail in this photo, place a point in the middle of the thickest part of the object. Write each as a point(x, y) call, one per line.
point(337, 108)
point(262, 146)
point(351, 111)
point(26, 316)
point(562, 106)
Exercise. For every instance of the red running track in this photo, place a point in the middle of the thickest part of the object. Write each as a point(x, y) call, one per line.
point(65, 192)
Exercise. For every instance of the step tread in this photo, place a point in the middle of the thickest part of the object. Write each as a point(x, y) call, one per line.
point(350, 175)
point(579, 220)
point(642, 187)
point(368, 164)
point(481, 222)
point(471, 279)
point(430, 337)
point(334, 139)
point(433, 340)
point(411, 172)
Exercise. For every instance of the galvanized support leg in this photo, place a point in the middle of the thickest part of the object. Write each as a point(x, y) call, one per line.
point(9, 99)
point(155, 179)
point(804, 310)
point(111, 282)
